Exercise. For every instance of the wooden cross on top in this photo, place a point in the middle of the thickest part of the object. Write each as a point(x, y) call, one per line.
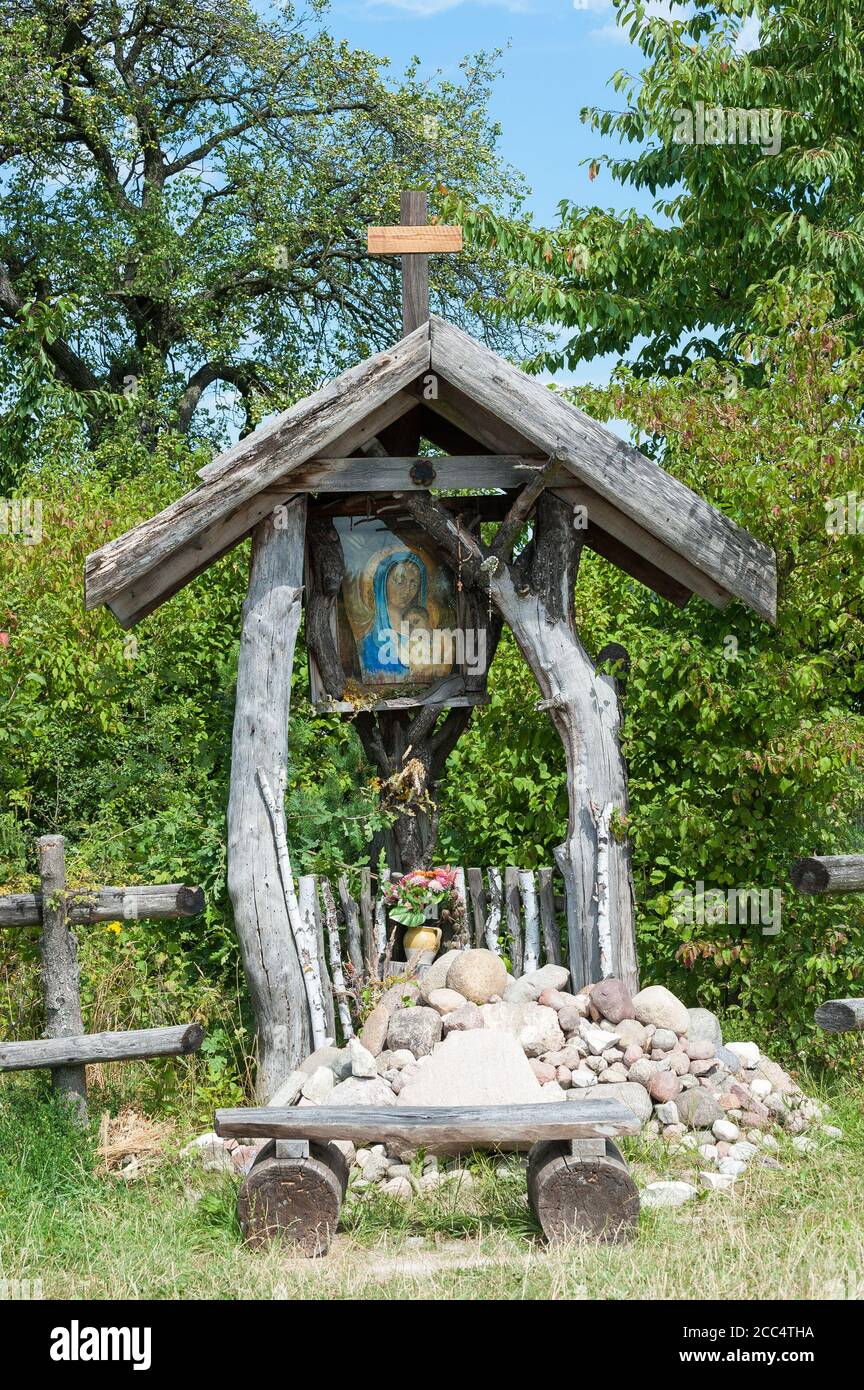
point(413, 240)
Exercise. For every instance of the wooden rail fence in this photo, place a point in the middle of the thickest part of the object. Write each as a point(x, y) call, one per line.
point(66, 1049)
point(833, 873)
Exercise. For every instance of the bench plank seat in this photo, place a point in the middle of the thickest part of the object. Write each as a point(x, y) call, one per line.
point(492, 1125)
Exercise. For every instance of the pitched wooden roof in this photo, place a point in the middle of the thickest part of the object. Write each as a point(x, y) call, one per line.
point(639, 515)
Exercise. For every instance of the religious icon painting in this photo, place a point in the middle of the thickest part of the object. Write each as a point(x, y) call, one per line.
point(397, 612)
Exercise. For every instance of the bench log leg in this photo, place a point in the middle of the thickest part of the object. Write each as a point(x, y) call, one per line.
point(588, 1193)
point(293, 1198)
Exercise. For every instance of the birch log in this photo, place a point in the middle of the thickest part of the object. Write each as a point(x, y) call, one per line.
point(337, 974)
point(271, 617)
point(302, 924)
point(493, 920)
point(60, 970)
point(380, 921)
point(534, 596)
point(313, 932)
point(531, 914)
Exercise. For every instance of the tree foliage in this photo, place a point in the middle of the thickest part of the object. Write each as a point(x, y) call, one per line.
point(787, 203)
point(184, 191)
point(744, 742)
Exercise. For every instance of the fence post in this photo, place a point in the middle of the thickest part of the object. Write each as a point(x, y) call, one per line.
point(60, 970)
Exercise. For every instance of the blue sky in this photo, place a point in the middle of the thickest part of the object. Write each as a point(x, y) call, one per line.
point(559, 57)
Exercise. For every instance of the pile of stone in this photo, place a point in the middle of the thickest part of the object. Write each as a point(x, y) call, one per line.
point(467, 1033)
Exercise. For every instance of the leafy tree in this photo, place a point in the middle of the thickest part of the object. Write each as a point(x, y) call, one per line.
point(729, 217)
point(184, 194)
point(745, 743)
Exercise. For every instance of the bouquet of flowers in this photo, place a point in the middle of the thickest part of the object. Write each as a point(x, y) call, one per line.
point(409, 898)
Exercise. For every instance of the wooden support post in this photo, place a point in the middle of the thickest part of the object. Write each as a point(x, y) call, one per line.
point(415, 267)
point(60, 971)
point(271, 618)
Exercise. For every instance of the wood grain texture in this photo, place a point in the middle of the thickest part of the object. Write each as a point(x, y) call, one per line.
point(840, 1015)
point(295, 1201)
point(829, 873)
point(74, 1053)
point(393, 474)
point(60, 976)
point(493, 1125)
point(271, 618)
point(710, 541)
point(593, 1197)
point(603, 516)
point(85, 906)
point(548, 919)
point(256, 463)
point(415, 267)
point(413, 241)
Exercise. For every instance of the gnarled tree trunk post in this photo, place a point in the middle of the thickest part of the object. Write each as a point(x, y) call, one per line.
point(534, 595)
point(271, 618)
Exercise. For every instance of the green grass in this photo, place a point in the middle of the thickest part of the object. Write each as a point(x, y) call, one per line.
point(797, 1232)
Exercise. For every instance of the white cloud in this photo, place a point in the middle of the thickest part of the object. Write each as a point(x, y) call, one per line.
point(749, 37)
point(658, 9)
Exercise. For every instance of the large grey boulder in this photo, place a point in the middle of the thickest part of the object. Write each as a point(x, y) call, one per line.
point(477, 975)
point(534, 1026)
point(698, 1109)
point(478, 1067)
point(704, 1027)
point(358, 1090)
point(418, 1029)
point(630, 1093)
point(658, 1005)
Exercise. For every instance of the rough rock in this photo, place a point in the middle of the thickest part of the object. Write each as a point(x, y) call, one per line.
point(731, 1167)
point(598, 1039)
point(704, 1026)
point(770, 1071)
point(556, 998)
point(614, 1074)
point(667, 1194)
point(697, 1109)
point(543, 1071)
point(400, 996)
point(469, 1016)
point(480, 1067)
point(717, 1182)
point(373, 1034)
point(417, 1029)
point(362, 1061)
point(581, 1078)
point(664, 1086)
point(641, 1072)
point(287, 1093)
point(636, 1098)
point(747, 1052)
point(699, 1049)
point(477, 974)
point(446, 1001)
point(664, 1039)
point(667, 1113)
point(658, 1005)
point(436, 976)
point(613, 1000)
point(724, 1129)
point(336, 1058)
point(398, 1187)
point(631, 1033)
point(535, 1027)
point(571, 1016)
point(360, 1090)
point(548, 977)
point(730, 1060)
point(319, 1086)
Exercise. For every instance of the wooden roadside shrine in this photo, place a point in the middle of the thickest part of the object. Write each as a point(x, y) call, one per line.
point(833, 873)
point(345, 497)
point(66, 1048)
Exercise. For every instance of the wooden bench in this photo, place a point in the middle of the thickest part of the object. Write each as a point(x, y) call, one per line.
point(578, 1182)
